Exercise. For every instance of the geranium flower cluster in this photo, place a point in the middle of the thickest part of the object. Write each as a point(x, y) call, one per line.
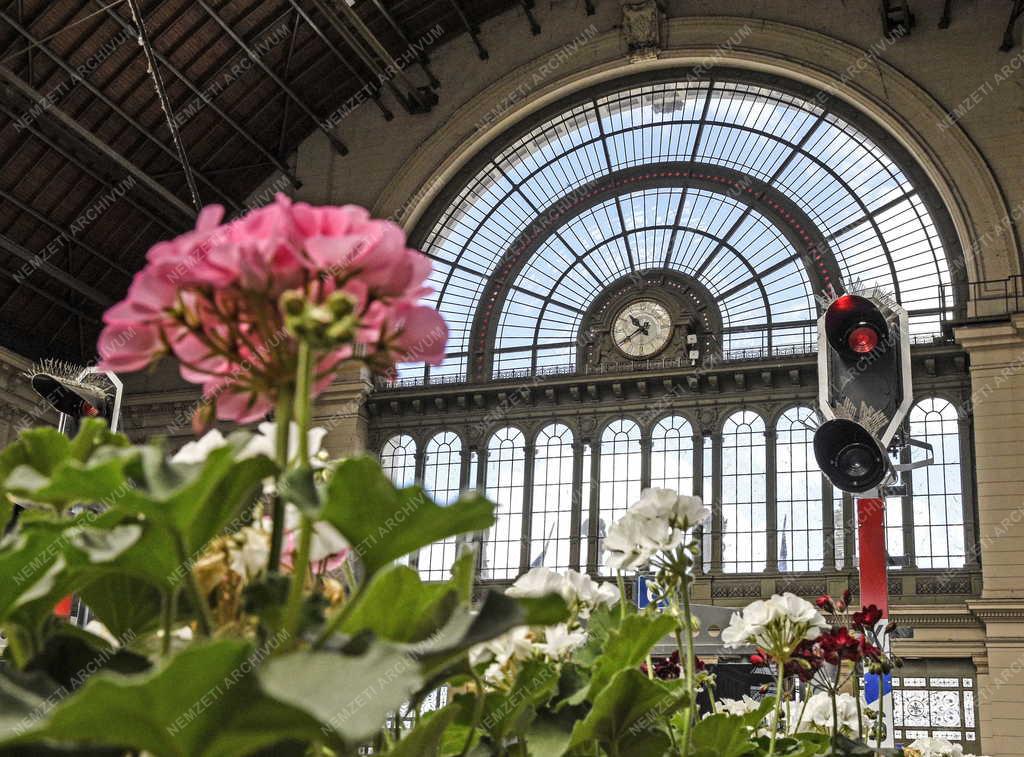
point(817, 715)
point(658, 522)
point(777, 626)
point(230, 302)
point(933, 747)
point(580, 592)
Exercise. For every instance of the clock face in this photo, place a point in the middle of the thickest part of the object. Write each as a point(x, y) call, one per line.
point(642, 329)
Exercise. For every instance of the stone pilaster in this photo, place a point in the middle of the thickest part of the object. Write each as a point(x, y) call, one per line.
point(997, 406)
point(341, 409)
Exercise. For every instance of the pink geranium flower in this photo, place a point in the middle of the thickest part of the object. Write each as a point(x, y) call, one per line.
point(212, 298)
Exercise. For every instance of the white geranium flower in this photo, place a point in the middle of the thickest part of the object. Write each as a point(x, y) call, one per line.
point(516, 644)
point(819, 712)
point(200, 449)
point(538, 582)
point(656, 503)
point(633, 540)
point(935, 747)
point(559, 642)
point(581, 588)
point(776, 624)
point(796, 609)
point(577, 589)
point(249, 551)
point(738, 707)
point(738, 632)
point(607, 595)
point(265, 442)
point(668, 505)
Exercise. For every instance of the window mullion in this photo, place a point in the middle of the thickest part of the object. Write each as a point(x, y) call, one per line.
point(576, 518)
point(595, 508)
point(698, 491)
point(646, 446)
point(971, 547)
point(907, 505)
point(771, 503)
point(530, 456)
point(716, 502)
point(828, 524)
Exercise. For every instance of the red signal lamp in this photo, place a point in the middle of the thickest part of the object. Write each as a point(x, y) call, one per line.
point(862, 339)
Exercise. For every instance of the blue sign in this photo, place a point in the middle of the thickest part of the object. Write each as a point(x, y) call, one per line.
point(643, 593)
point(871, 686)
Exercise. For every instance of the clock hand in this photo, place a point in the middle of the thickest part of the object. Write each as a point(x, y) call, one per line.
point(638, 331)
point(635, 321)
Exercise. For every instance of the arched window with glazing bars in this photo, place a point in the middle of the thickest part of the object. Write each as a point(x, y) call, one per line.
point(442, 472)
point(505, 482)
point(744, 493)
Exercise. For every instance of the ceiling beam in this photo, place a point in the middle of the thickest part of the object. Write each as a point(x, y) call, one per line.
point(472, 28)
point(337, 144)
point(418, 99)
point(98, 93)
point(172, 228)
point(372, 87)
point(421, 51)
point(49, 297)
point(64, 233)
point(207, 100)
point(36, 260)
point(31, 94)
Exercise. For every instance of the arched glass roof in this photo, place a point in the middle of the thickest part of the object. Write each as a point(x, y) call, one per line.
point(772, 187)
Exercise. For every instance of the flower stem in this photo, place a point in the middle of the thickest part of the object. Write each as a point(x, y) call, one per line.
point(856, 694)
point(478, 712)
point(780, 680)
point(686, 655)
point(168, 607)
point(303, 399)
point(622, 594)
point(283, 419)
point(195, 594)
point(300, 569)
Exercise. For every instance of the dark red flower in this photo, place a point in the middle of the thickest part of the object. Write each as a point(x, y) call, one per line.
point(824, 602)
point(867, 617)
point(757, 659)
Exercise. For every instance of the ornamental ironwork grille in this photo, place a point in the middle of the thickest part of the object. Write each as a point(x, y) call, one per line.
point(934, 705)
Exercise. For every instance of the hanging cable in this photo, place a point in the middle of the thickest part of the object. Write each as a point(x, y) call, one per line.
point(165, 103)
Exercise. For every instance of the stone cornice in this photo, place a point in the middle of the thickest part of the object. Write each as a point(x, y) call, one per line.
point(998, 610)
point(979, 339)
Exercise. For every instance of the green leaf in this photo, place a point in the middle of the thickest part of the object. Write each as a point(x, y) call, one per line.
point(512, 712)
point(549, 734)
point(92, 434)
point(205, 702)
point(384, 523)
point(45, 448)
point(427, 738)
point(299, 487)
point(464, 574)
point(626, 710)
point(627, 646)
point(72, 655)
point(723, 736)
point(351, 694)
point(124, 603)
point(396, 605)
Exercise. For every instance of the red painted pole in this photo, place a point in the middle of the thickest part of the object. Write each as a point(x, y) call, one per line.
point(874, 582)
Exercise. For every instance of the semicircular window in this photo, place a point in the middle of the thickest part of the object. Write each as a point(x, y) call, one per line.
point(752, 194)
